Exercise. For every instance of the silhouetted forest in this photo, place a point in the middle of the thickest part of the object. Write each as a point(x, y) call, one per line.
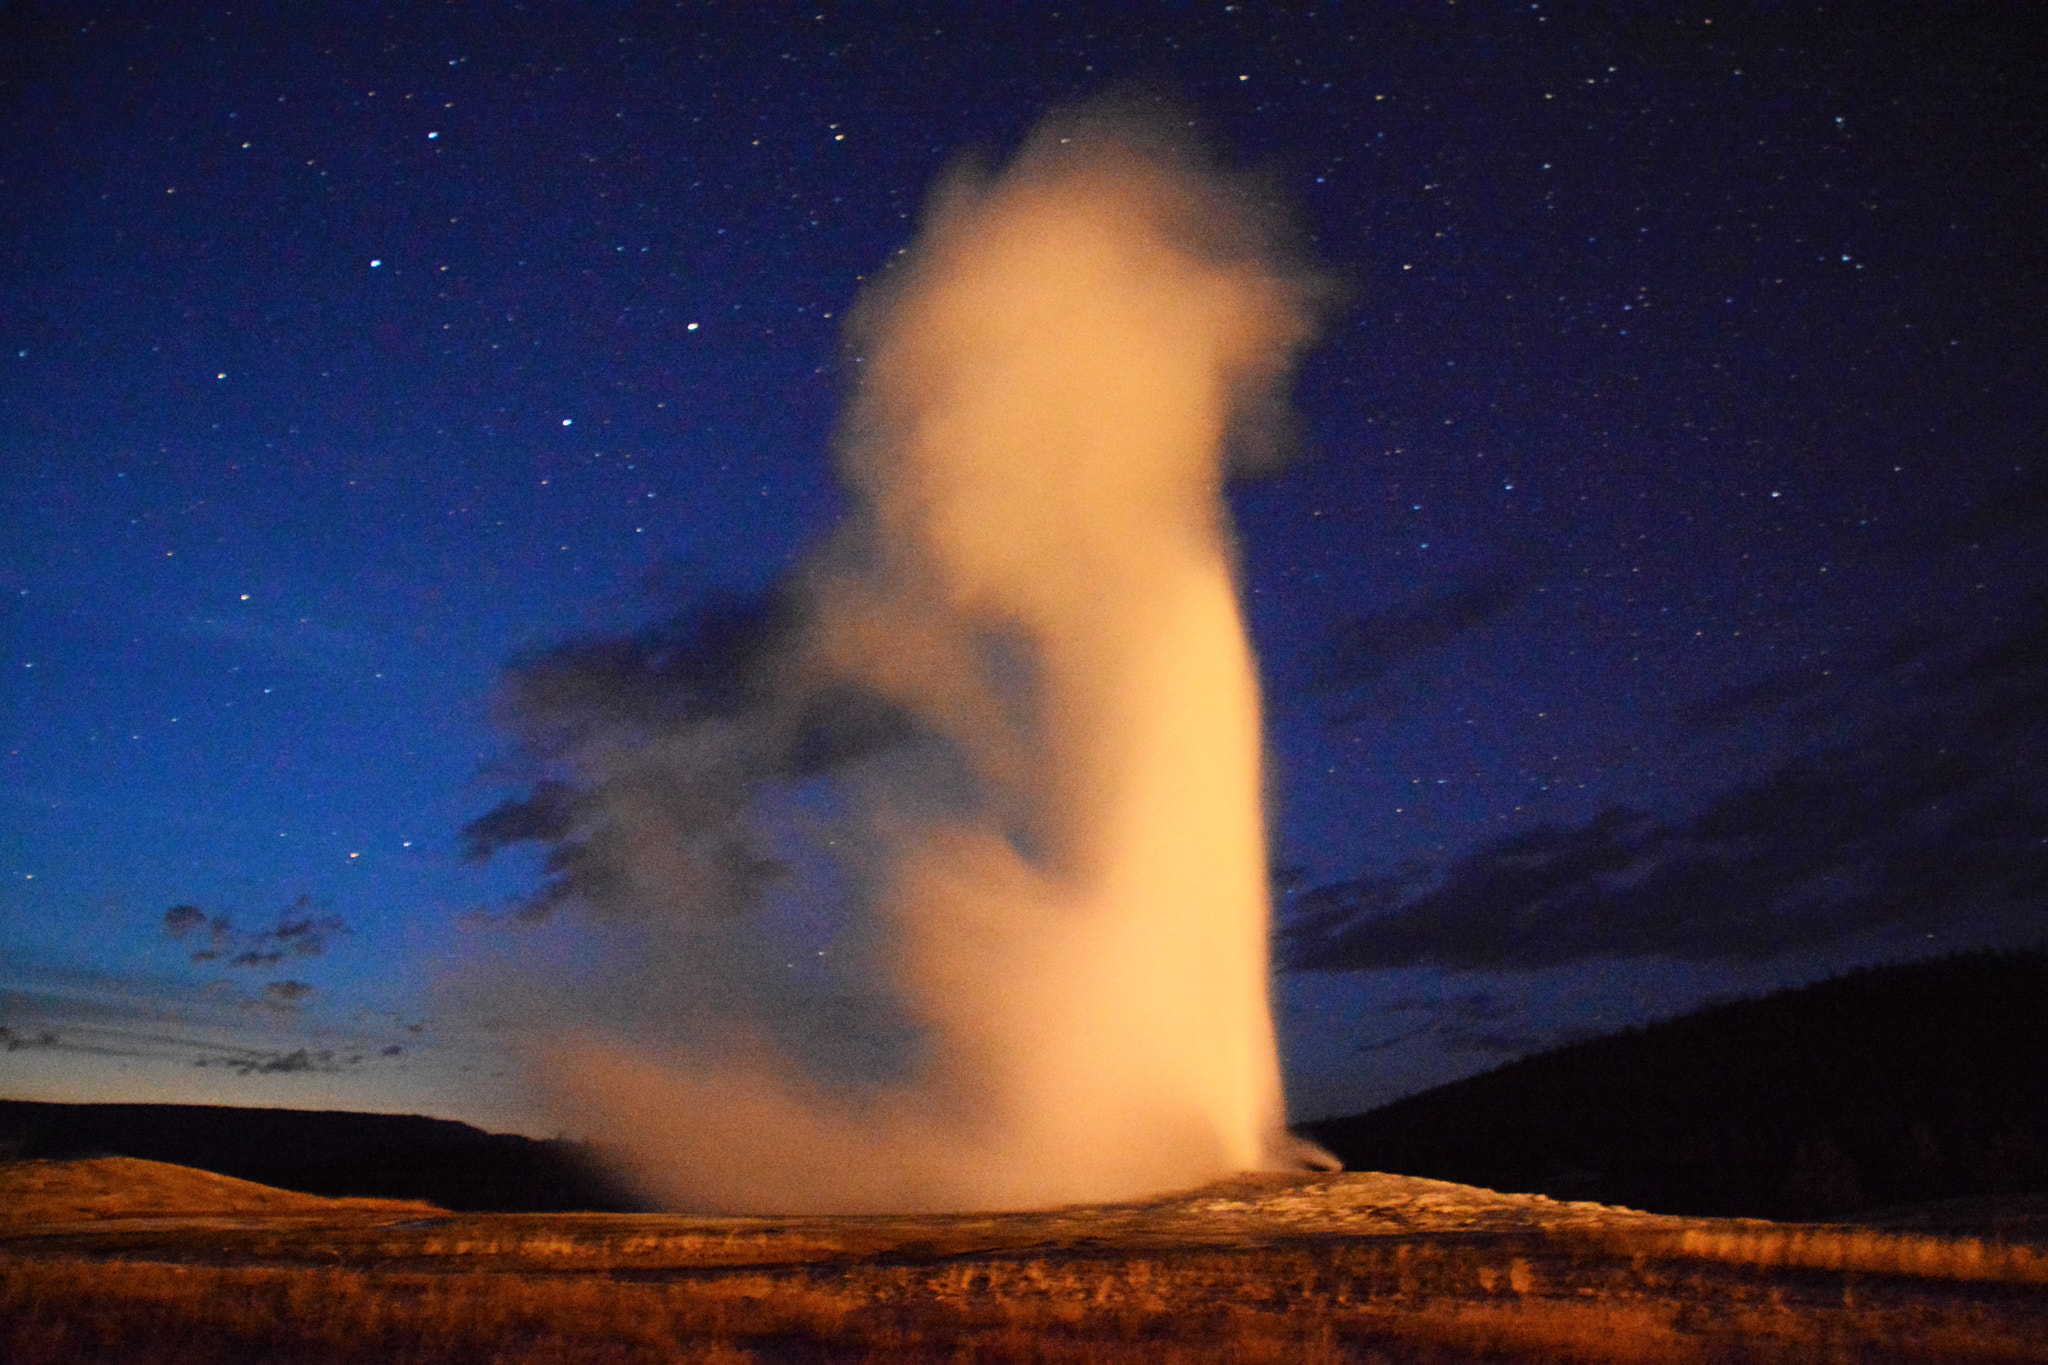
point(1891, 1085)
point(382, 1155)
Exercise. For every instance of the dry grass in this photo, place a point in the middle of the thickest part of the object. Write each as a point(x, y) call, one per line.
point(1342, 1300)
point(295, 1281)
point(40, 1192)
point(1853, 1249)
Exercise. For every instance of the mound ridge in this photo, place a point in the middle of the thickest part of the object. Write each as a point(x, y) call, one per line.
point(97, 1188)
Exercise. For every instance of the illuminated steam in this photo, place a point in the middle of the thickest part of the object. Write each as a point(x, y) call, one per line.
point(940, 881)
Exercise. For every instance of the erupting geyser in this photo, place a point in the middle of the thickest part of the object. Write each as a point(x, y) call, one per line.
point(1051, 815)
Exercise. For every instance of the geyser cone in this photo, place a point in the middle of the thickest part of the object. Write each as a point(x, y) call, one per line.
point(1039, 573)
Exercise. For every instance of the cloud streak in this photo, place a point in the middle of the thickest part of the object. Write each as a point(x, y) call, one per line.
point(136, 1023)
point(1362, 658)
point(1927, 824)
point(297, 934)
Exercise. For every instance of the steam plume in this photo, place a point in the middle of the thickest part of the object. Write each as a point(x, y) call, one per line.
point(996, 746)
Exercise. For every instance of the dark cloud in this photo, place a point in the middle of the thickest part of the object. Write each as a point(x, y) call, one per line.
point(279, 1063)
point(1734, 705)
point(1472, 1006)
point(14, 1041)
point(666, 739)
point(297, 933)
point(1912, 662)
point(108, 1017)
point(1362, 657)
point(1472, 1022)
point(1496, 1040)
point(546, 813)
point(609, 719)
point(713, 658)
point(1934, 821)
point(1391, 1040)
point(1906, 649)
point(307, 936)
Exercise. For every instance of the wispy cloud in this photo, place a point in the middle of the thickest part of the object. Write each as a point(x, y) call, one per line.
point(1926, 823)
point(219, 1025)
point(298, 933)
point(1362, 660)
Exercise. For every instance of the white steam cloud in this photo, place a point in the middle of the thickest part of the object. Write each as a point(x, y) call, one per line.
point(944, 877)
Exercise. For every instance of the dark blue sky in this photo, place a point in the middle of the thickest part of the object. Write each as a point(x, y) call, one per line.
point(1658, 608)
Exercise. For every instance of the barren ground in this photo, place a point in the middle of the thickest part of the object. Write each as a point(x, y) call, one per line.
point(135, 1261)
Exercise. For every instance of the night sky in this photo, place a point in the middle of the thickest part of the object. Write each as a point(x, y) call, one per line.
point(1656, 609)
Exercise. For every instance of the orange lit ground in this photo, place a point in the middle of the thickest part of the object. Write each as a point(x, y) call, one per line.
point(1354, 1267)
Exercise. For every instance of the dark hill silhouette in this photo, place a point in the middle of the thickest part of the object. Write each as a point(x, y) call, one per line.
point(1891, 1085)
point(330, 1153)
point(1894, 1085)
